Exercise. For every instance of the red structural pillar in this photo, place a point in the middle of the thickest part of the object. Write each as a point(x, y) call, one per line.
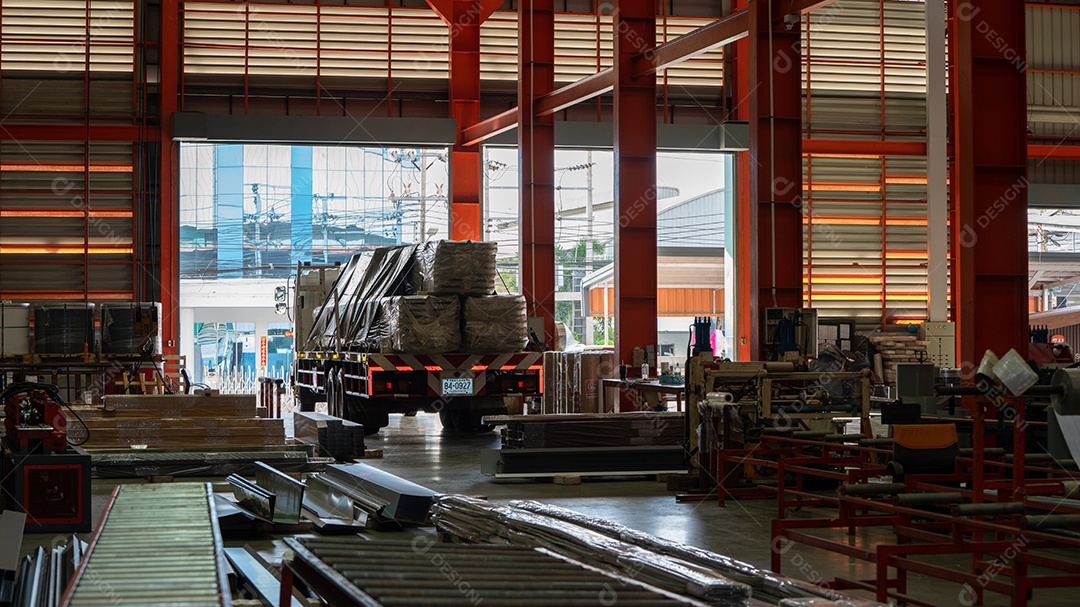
point(536, 160)
point(168, 209)
point(465, 17)
point(635, 181)
point(775, 113)
point(743, 253)
point(989, 177)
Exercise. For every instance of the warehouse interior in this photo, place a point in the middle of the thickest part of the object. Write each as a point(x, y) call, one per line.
point(539, 302)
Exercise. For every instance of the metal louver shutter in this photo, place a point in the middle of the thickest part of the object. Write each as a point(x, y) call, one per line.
point(866, 230)
point(303, 41)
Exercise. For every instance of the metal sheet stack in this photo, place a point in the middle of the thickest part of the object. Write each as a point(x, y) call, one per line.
point(14, 329)
point(381, 495)
point(338, 438)
point(174, 421)
point(642, 429)
point(572, 380)
point(45, 573)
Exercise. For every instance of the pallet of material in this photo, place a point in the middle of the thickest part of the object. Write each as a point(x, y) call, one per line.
point(896, 349)
point(152, 433)
point(174, 422)
point(334, 437)
point(179, 405)
point(597, 430)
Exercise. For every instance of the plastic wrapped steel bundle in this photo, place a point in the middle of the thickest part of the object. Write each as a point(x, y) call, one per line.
point(14, 329)
point(124, 327)
point(480, 521)
point(64, 329)
point(421, 324)
point(494, 324)
point(457, 267)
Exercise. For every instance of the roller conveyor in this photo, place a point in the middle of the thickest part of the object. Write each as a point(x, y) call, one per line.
point(155, 545)
point(357, 573)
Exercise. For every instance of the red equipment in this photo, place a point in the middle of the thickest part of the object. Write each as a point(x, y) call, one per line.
point(34, 419)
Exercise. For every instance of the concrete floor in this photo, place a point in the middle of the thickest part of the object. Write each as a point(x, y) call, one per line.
point(416, 448)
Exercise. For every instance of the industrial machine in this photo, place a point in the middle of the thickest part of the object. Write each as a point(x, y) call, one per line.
point(34, 420)
point(789, 333)
point(731, 404)
point(44, 475)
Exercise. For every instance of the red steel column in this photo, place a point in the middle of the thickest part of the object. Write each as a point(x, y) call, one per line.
point(465, 19)
point(536, 160)
point(635, 181)
point(170, 214)
point(776, 168)
point(989, 177)
point(744, 220)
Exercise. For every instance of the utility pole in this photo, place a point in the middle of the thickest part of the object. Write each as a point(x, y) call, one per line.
point(589, 241)
point(423, 195)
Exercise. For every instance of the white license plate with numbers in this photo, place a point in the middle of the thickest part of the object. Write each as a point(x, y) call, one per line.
point(457, 386)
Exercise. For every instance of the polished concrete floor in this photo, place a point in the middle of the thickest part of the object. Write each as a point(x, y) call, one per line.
point(418, 449)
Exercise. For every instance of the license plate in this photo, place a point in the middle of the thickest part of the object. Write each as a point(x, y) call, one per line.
point(457, 386)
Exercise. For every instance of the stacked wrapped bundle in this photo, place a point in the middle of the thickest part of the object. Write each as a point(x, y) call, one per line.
point(456, 267)
point(420, 324)
point(895, 349)
point(494, 324)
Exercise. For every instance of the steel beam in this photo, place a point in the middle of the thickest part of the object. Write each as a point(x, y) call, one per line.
point(599, 83)
point(1037, 151)
point(169, 212)
point(776, 166)
point(635, 181)
point(648, 59)
point(465, 17)
point(79, 133)
point(862, 148)
point(989, 177)
point(536, 161)
point(718, 33)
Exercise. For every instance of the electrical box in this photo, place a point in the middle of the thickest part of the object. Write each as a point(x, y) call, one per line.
point(941, 344)
point(787, 332)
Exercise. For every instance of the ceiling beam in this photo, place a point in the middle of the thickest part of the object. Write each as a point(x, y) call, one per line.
point(723, 31)
point(78, 132)
point(700, 41)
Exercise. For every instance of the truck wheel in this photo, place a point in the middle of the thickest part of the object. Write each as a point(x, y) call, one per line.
point(449, 419)
point(306, 398)
point(334, 394)
point(468, 416)
point(373, 417)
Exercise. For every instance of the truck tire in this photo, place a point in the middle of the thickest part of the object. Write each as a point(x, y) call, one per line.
point(333, 394)
point(361, 411)
point(306, 398)
point(449, 419)
point(467, 415)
